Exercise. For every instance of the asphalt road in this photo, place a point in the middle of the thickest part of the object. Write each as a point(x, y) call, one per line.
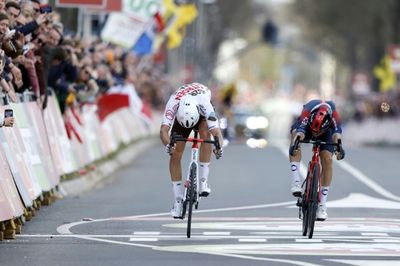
point(249, 219)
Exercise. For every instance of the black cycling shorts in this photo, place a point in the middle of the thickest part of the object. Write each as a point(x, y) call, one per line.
point(183, 131)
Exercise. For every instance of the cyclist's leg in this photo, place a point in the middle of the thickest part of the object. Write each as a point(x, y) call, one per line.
point(204, 158)
point(205, 148)
point(295, 168)
point(175, 166)
point(326, 153)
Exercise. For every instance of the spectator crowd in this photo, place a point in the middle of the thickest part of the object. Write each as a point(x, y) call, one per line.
point(36, 55)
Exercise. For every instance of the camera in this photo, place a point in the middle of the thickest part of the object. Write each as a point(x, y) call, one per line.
point(46, 9)
point(8, 113)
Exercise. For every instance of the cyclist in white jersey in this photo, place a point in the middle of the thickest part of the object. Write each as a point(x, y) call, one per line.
point(187, 109)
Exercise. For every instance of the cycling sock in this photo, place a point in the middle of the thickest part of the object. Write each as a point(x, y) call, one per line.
point(204, 170)
point(295, 166)
point(324, 195)
point(178, 190)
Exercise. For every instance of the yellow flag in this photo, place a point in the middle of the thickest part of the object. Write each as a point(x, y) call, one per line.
point(385, 74)
point(184, 14)
point(169, 8)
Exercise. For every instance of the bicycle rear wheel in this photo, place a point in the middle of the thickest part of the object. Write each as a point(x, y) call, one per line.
point(313, 204)
point(191, 199)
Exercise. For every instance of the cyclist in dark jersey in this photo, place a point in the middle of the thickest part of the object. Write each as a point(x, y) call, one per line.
point(318, 120)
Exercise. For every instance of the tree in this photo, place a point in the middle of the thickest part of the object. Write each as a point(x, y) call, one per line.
point(356, 32)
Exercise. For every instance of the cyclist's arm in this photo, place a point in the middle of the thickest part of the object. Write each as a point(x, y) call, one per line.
point(336, 137)
point(164, 134)
point(168, 119)
point(216, 132)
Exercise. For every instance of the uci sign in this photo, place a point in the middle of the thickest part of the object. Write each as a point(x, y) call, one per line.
point(142, 8)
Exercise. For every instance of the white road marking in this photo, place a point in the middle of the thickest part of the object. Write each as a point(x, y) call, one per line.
point(359, 200)
point(374, 234)
point(309, 249)
point(66, 228)
point(333, 225)
point(143, 239)
point(261, 240)
point(114, 242)
point(216, 233)
point(146, 233)
point(368, 262)
point(366, 180)
point(306, 240)
point(387, 240)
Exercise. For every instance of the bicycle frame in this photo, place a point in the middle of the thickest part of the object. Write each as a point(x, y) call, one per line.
point(193, 163)
point(314, 161)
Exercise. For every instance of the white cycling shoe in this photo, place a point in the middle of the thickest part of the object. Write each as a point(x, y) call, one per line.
point(205, 189)
point(176, 211)
point(322, 215)
point(296, 189)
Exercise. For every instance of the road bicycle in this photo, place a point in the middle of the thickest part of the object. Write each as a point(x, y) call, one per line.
point(192, 183)
point(308, 202)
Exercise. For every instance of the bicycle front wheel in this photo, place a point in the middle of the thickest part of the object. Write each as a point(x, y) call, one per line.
point(313, 201)
point(191, 198)
point(305, 206)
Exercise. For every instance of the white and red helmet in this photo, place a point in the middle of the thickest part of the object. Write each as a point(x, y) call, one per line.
point(188, 114)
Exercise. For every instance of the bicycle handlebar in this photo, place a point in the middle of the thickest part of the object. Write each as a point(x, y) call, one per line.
point(297, 141)
point(175, 138)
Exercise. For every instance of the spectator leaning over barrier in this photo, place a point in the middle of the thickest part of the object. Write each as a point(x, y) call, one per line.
point(104, 78)
point(62, 74)
point(85, 85)
point(8, 69)
point(47, 40)
point(22, 22)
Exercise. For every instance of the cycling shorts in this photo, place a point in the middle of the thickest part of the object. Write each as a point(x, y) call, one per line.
point(183, 131)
